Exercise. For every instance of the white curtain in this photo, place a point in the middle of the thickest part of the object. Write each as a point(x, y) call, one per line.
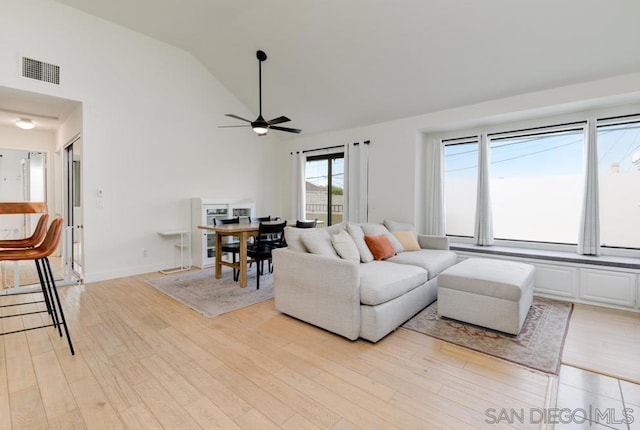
point(356, 188)
point(435, 215)
point(297, 186)
point(484, 218)
point(589, 234)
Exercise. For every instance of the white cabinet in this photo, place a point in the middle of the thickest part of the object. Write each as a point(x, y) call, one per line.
point(608, 286)
point(556, 280)
point(203, 212)
point(602, 285)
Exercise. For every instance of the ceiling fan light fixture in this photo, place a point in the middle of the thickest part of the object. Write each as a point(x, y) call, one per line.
point(260, 126)
point(260, 130)
point(25, 124)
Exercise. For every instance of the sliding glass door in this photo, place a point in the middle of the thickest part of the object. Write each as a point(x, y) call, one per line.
point(324, 188)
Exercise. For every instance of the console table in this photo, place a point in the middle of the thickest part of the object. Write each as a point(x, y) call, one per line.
point(182, 245)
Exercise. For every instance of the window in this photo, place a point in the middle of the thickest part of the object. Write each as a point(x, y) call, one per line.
point(619, 184)
point(536, 185)
point(324, 184)
point(460, 179)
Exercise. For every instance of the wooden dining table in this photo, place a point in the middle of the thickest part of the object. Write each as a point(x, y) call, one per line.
point(241, 231)
point(18, 208)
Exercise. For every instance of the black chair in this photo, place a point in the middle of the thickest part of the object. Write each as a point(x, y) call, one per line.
point(264, 219)
point(270, 236)
point(306, 224)
point(260, 219)
point(230, 246)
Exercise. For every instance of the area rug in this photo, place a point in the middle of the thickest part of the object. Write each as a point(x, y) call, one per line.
point(204, 293)
point(538, 346)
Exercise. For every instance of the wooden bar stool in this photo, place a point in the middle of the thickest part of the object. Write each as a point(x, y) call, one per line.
point(40, 255)
point(31, 241)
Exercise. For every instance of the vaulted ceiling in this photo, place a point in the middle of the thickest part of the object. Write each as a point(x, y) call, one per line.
point(336, 64)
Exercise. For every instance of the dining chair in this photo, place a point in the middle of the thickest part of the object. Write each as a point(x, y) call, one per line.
point(260, 219)
point(230, 245)
point(40, 254)
point(270, 236)
point(306, 224)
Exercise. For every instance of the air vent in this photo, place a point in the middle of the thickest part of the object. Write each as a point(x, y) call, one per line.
point(41, 71)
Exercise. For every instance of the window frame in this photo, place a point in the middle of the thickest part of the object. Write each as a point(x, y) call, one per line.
point(495, 126)
point(454, 142)
point(330, 157)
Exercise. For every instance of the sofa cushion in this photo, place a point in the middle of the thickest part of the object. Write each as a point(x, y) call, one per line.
point(407, 239)
point(292, 237)
point(318, 241)
point(336, 228)
point(398, 226)
point(431, 260)
point(356, 233)
point(381, 281)
point(373, 229)
point(488, 277)
point(345, 246)
point(380, 246)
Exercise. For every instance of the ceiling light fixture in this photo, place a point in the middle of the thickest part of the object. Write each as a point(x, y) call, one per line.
point(260, 126)
point(25, 124)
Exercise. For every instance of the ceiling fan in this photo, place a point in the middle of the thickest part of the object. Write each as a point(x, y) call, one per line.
point(260, 125)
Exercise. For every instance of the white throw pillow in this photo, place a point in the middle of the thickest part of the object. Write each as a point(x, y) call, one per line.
point(318, 241)
point(356, 233)
point(292, 237)
point(345, 246)
point(373, 229)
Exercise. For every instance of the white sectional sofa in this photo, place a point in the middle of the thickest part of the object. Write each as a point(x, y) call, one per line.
point(354, 295)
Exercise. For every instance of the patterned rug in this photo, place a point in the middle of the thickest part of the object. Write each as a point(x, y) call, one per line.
point(204, 293)
point(538, 346)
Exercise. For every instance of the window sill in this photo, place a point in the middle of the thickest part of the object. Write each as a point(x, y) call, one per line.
point(569, 257)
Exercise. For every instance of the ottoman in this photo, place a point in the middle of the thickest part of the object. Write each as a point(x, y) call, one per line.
point(490, 293)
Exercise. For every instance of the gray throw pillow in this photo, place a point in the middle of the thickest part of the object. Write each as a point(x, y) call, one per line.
point(318, 241)
point(373, 229)
point(398, 226)
point(356, 233)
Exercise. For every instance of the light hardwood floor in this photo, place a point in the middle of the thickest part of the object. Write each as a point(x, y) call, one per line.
point(144, 361)
point(28, 273)
point(605, 340)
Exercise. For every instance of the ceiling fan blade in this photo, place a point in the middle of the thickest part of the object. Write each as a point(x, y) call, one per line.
point(279, 120)
point(290, 130)
point(230, 126)
point(236, 117)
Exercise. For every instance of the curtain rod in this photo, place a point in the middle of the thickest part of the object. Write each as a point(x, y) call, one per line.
point(467, 139)
point(366, 142)
point(321, 149)
point(631, 117)
point(541, 128)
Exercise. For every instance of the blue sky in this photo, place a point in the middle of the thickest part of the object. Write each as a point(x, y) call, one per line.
point(545, 155)
point(316, 172)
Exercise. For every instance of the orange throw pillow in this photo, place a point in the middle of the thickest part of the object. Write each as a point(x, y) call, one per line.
point(380, 246)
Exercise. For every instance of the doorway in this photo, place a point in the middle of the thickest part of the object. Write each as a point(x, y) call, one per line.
point(74, 258)
point(23, 178)
point(324, 188)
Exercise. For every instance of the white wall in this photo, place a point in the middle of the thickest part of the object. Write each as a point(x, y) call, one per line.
point(150, 137)
point(397, 151)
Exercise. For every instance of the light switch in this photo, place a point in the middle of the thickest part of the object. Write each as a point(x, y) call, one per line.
point(100, 192)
